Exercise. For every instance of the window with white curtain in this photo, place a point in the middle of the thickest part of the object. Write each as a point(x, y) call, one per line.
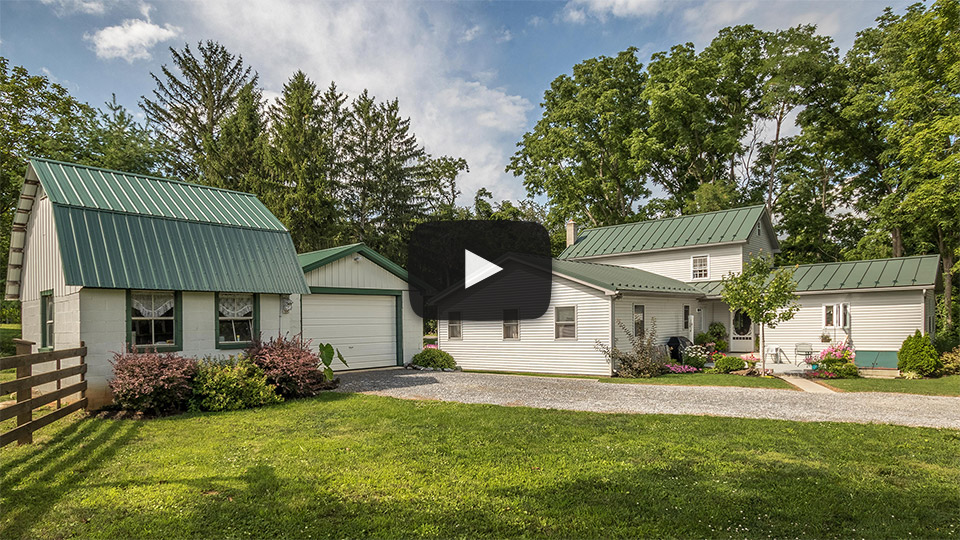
point(836, 316)
point(511, 324)
point(454, 325)
point(153, 317)
point(235, 313)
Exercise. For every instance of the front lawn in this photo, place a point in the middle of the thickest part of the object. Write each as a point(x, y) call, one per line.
point(8, 332)
point(943, 386)
point(353, 465)
point(708, 379)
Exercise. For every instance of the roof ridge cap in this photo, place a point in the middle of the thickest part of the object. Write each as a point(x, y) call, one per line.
point(143, 176)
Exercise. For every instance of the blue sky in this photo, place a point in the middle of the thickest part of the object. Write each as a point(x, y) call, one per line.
point(470, 75)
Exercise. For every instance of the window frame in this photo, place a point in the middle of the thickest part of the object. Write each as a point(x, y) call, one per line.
point(693, 268)
point(177, 344)
point(557, 323)
point(254, 326)
point(515, 322)
point(687, 311)
point(47, 318)
point(839, 313)
point(643, 319)
point(459, 325)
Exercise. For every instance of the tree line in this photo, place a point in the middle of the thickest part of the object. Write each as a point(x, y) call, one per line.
point(872, 169)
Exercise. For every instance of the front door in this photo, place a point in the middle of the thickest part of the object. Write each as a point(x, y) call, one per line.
point(741, 332)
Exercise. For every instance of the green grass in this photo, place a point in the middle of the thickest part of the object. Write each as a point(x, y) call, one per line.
point(7, 333)
point(708, 379)
point(353, 465)
point(7, 375)
point(943, 386)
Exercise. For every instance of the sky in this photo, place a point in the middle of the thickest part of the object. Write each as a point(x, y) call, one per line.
point(470, 75)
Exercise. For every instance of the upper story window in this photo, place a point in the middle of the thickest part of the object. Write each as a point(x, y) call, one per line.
point(454, 325)
point(700, 267)
point(46, 320)
point(153, 318)
point(236, 319)
point(758, 228)
point(511, 324)
point(565, 322)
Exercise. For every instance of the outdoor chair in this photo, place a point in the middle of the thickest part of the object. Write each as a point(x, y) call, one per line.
point(802, 352)
point(773, 350)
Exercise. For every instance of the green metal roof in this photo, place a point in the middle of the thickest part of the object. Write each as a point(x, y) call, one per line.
point(118, 230)
point(620, 278)
point(316, 259)
point(693, 230)
point(114, 191)
point(918, 271)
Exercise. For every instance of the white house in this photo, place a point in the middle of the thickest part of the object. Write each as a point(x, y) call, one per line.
point(671, 270)
point(118, 260)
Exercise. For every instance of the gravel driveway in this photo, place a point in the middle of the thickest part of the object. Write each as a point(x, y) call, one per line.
point(592, 395)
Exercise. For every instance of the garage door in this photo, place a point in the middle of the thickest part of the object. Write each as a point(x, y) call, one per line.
point(363, 327)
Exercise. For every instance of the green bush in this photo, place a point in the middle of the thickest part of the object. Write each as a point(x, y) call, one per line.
point(228, 386)
point(645, 358)
point(918, 355)
point(947, 339)
point(847, 371)
point(717, 331)
point(434, 358)
point(722, 345)
point(702, 338)
point(726, 364)
point(951, 362)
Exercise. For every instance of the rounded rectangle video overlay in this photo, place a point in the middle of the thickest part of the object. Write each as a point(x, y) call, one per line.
point(479, 268)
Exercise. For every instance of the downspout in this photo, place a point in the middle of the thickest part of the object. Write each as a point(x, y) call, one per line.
point(923, 312)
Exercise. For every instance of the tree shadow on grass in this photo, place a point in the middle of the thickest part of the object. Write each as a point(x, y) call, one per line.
point(36, 482)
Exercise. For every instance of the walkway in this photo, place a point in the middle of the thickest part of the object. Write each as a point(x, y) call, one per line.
point(592, 395)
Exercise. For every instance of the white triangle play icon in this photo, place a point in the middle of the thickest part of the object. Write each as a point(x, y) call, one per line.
point(476, 268)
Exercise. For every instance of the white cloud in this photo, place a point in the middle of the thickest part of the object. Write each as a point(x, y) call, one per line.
point(395, 50)
point(576, 11)
point(503, 36)
point(69, 7)
point(130, 40)
point(535, 21)
point(471, 34)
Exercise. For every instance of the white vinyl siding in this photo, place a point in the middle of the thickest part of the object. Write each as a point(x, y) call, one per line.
point(758, 243)
point(879, 321)
point(675, 263)
point(42, 266)
point(537, 351)
point(666, 311)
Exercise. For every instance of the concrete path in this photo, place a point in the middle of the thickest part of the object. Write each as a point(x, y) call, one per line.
point(592, 395)
point(808, 386)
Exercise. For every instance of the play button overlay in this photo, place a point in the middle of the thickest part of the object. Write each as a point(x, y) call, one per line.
point(479, 269)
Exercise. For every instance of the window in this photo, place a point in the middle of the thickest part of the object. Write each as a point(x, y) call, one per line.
point(638, 327)
point(686, 317)
point(46, 320)
point(454, 325)
point(237, 319)
point(701, 266)
point(511, 324)
point(758, 228)
point(154, 319)
point(836, 316)
point(565, 322)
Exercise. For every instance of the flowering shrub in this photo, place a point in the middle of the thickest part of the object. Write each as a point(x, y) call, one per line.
point(951, 362)
point(680, 368)
point(695, 355)
point(824, 374)
point(158, 383)
point(231, 385)
point(911, 375)
point(290, 364)
point(750, 360)
point(645, 359)
point(836, 355)
point(430, 346)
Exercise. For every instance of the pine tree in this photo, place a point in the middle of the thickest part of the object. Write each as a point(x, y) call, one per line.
point(190, 104)
point(237, 158)
point(297, 168)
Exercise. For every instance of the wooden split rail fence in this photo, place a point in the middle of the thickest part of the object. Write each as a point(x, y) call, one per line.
point(26, 381)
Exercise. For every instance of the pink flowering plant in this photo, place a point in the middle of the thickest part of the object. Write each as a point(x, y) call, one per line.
point(680, 368)
point(835, 355)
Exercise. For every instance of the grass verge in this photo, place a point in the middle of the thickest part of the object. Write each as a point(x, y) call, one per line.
point(707, 379)
point(346, 465)
point(943, 386)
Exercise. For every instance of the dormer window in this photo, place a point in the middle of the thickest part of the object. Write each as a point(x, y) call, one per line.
point(700, 267)
point(758, 228)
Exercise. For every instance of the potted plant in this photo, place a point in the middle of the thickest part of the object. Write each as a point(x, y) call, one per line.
point(825, 338)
